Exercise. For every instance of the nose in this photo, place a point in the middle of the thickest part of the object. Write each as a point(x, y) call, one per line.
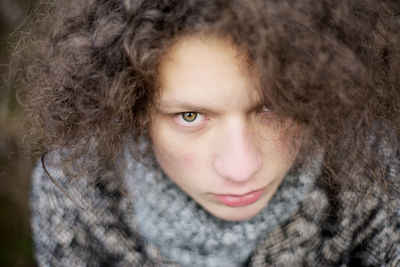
point(238, 157)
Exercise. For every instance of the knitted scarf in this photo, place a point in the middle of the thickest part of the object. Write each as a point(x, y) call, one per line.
point(184, 233)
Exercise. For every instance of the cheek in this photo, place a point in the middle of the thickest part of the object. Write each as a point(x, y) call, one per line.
point(174, 156)
point(293, 142)
point(189, 159)
point(282, 150)
point(178, 153)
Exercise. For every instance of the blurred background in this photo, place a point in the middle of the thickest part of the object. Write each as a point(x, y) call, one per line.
point(15, 235)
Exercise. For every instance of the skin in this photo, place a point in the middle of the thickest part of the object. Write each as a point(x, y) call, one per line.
point(230, 143)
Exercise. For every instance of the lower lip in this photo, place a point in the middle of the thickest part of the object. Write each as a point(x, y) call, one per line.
point(240, 201)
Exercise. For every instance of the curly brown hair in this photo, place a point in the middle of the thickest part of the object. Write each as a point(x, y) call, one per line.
point(333, 66)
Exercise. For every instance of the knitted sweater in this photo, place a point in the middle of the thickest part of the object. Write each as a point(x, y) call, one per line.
point(330, 228)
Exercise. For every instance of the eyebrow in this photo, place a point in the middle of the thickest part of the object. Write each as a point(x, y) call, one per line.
point(181, 105)
point(184, 106)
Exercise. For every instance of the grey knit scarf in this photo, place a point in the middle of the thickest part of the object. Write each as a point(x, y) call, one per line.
point(185, 233)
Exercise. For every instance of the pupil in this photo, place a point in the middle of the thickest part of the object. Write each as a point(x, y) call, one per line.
point(189, 116)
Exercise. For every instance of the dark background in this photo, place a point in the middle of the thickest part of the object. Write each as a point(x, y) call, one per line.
point(15, 235)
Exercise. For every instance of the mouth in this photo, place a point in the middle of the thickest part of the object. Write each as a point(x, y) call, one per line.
point(240, 200)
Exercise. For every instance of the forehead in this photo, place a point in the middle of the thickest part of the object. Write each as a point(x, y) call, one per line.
point(207, 70)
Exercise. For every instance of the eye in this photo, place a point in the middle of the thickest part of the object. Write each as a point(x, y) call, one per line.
point(191, 120)
point(265, 109)
point(189, 116)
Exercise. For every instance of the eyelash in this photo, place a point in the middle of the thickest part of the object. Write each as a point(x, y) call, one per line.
point(200, 118)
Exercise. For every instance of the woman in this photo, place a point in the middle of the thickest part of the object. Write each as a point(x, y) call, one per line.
point(216, 133)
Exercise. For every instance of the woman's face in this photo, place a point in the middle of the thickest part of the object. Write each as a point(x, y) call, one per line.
point(213, 136)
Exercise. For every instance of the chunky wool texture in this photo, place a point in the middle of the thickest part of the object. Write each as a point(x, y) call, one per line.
point(185, 233)
point(329, 228)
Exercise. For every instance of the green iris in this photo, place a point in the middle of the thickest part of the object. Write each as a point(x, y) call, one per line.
point(189, 116)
